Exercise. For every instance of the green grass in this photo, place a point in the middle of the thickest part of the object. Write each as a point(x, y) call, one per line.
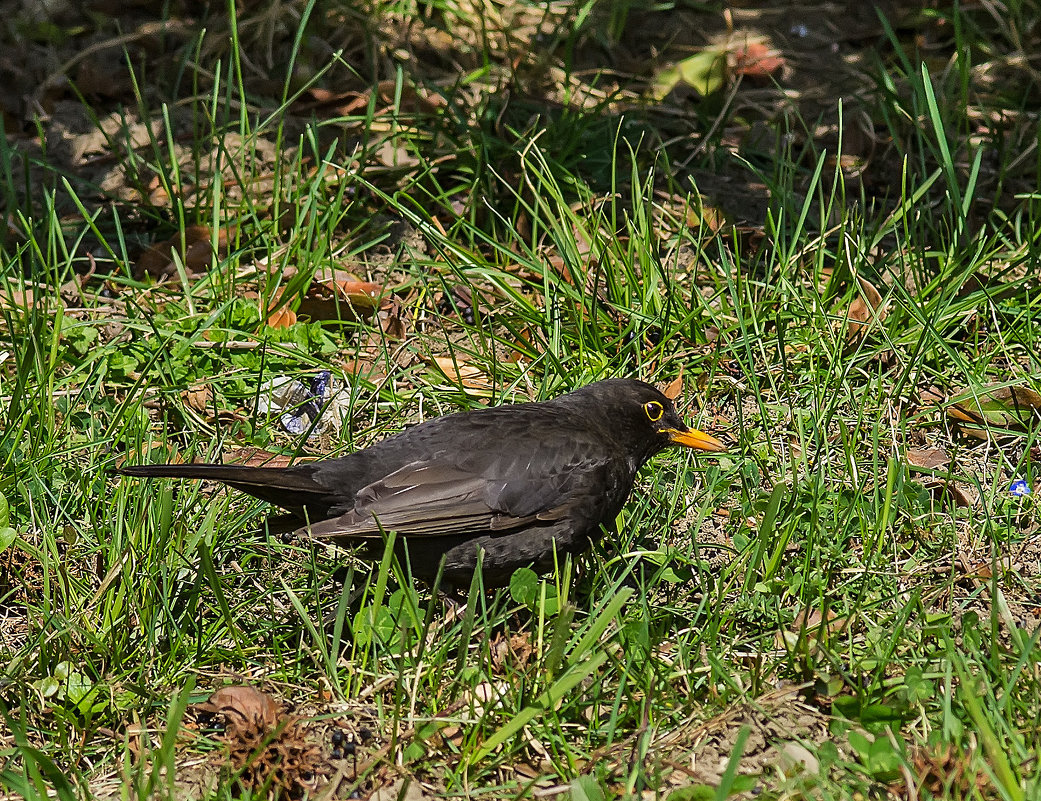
point(813, 586)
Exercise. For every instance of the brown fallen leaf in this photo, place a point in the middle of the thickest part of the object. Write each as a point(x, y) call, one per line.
point(336, 294)
point(243, 705)
point(282, 317)
point(984, 568)
point(940, 489)
point(341, 104)
point(863, 309)
point(194, 249)
point(811, 625)
point(675, 387)
point(264, 748)
point(928, 458)
point(931, 396)
point(199, 397)
point(511, 653)
point(364, 369)
point(392, 317)
point(460, 372)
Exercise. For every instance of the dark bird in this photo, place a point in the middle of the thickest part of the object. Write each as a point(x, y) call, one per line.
point(522, 482)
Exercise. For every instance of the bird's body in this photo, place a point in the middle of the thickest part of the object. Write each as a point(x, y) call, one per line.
point(522, 482)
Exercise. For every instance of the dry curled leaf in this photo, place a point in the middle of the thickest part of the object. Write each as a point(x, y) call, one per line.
point(282, 317)
point(265, 748)
point(241, 705)
point(194, 250)
point(863, 309)
point(940, 490)
point(512, 653)
point(391, 317)
point(811, 625)
point(943, 770)
point(198, 397)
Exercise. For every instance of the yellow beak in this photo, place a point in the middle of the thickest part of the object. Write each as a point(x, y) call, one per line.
point(692, 438)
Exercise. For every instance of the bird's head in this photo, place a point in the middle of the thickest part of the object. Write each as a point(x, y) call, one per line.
point(640, 414)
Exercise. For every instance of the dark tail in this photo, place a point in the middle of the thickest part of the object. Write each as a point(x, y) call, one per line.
point(291, 488)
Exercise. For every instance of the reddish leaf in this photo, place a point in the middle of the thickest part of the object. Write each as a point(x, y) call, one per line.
point(755, 60)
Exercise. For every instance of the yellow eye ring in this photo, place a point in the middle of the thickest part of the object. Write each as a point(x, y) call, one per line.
point(653, 410)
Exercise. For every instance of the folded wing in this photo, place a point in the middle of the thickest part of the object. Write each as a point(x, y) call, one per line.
point(450, 495)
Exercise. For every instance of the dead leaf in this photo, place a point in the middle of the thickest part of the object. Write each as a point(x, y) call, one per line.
point(931, 396)
point(137, 739)
point(514, 652)
point(334, 292)
point(460, 372)
point(391, 318)
point(1015, 407)
point(243, 705)
point(707, 217)
point(459, 300)
point(341, 104)
point(363, 369)
point(395, 154)
point(409, 98)
point(928, 458)
point(863, 309)
point(984, 568)
point(282, 317)
point(810, 626)
point(263, 746)
point(194, 250)
point(485, 696)
point(199, 397)
point(675, 387)
point(940, 489)
point(757, 61)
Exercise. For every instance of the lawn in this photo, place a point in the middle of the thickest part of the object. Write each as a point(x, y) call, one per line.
point(281, 230)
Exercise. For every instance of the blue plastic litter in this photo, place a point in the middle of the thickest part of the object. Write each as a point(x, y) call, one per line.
point(303, 416)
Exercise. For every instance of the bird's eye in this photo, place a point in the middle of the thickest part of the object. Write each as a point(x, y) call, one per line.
point(654, 411)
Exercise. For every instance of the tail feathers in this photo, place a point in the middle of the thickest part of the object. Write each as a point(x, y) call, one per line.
point(240, 476)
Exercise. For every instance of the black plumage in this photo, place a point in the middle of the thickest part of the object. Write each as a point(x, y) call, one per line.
point(522, 481)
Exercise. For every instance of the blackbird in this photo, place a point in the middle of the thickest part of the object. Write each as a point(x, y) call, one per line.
point(522, 482)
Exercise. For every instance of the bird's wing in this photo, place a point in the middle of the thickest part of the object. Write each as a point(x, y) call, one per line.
point(456, 494)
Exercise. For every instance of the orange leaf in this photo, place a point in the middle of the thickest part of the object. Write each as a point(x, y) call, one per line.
point(755, 60)
point(282, 317)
